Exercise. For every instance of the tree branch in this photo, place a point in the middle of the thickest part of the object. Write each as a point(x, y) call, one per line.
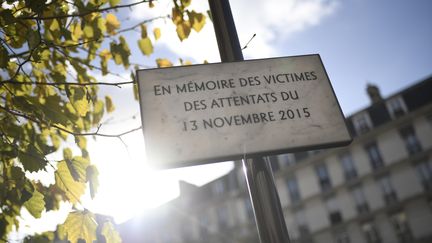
point(99, 10)
point(96, 133)
point(14, 82)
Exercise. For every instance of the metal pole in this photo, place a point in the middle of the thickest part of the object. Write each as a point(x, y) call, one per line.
point(259, 177)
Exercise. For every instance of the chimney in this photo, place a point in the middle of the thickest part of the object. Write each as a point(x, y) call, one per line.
point(374, 93)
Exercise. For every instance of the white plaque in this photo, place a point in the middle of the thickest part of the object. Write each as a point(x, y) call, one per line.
point(225, 111)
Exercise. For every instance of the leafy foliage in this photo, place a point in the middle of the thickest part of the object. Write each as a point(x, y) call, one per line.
point(36, 204)
point(80, 225)
point(110, 234)
point(49, 52)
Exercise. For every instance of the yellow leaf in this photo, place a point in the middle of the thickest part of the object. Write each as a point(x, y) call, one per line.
point(67, 154)
point(88, 31)
point(197, 19)
point(109, 104)
point(98, 112)
point(110, 233)
point(145, 46)
point(55, 139)
point(77, 167)
point(92, 178)
point(163, 62)
point(65, 182)
point(143, 31)
point(80, 225)
point(105, 54)
point(183, 30)
point(185, 3)
point(81, 106)
point(112, 23)
point(76, 31)
point(114, 3)
point(54, 25)
point(79, 124)
point(36, 204)
point(81, 142)
point(177, 16)
point(157, 33)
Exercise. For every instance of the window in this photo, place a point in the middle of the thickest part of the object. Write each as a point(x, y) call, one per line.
point(293, 190)
point(274, 163)
point(371, 233)
point(412, 144)
point(286, 160)
point(360, 200)
point(387, 189)
point(342, 237)
point(348, 166)
point(300, 220)
point(401, 227)
point(362, 123)
point(203, 226)
point(374, 155)
point(396, 107)
point(323, 177)
point(335, 215)
point(300, 156)
point(424, 171)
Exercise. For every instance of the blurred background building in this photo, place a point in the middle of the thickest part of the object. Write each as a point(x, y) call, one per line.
point(377, 190)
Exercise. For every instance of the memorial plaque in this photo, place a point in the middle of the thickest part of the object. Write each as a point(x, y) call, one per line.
point(225, 111)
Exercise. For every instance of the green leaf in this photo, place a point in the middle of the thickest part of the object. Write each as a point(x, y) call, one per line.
point(145, 46)
point(92, 178)
point(109, 104)
point(66, 183)
point(80, 225)
point(4, 57)
point(157, 33)
point(31, 159)
point(33, 39)
point(7, 16)
point(110, 233)
point(120, 52)
point(46, 237)
point(105, 55)
point(98, 112)
point(183, 30)
point(36, 204)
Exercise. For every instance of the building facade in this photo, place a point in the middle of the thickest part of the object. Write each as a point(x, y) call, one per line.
point(376, 190)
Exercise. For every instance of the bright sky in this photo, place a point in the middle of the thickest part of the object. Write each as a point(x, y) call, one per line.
point(386, 42)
